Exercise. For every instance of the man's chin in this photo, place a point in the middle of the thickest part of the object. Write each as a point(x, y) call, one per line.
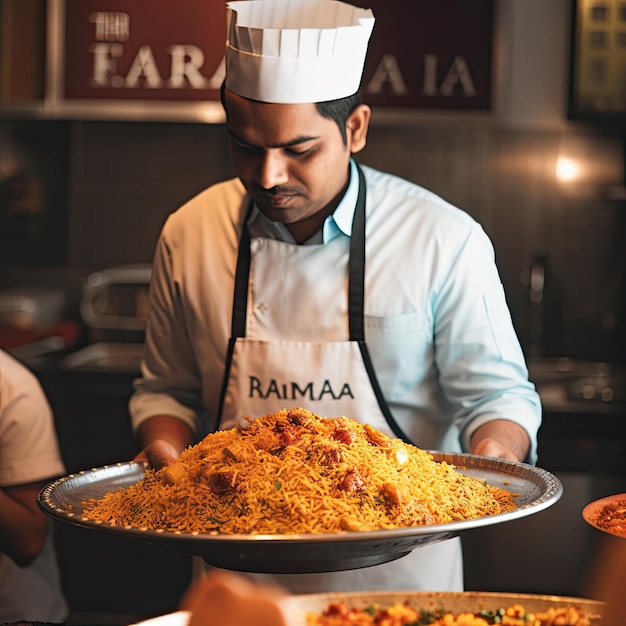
point(282, 216)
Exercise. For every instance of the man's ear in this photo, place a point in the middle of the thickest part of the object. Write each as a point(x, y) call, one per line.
point(357, 125)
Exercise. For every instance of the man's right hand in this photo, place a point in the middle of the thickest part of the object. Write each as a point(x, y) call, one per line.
point(162, 439)
point(158, 454)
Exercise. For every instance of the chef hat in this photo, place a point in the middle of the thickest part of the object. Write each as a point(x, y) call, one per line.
point(295, 51)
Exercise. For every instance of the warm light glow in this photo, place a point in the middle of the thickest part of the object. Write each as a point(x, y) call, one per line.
point(567, 169)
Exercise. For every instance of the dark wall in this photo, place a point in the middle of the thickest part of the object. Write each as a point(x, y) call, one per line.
point(127, 177)
point(34, 175)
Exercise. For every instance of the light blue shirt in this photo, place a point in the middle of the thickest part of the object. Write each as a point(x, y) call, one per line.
point(436, 320)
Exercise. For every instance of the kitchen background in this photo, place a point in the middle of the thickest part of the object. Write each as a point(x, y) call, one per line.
point(83, 193)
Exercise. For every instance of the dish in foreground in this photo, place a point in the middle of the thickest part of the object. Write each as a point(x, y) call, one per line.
point(296, 472)
point(608, 514)
point(425, 609)
point(442, 609)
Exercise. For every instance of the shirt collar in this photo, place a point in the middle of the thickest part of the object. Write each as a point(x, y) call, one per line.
point(341, 218)
point(340, 222)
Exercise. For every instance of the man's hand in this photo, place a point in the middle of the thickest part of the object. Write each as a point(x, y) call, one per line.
point(502, 439)
point(162, 439)
point(158, 454)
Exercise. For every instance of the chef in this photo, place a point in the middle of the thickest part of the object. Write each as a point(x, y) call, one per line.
point(311, 280)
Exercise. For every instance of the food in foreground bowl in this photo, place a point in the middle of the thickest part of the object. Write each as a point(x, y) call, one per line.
point(296, 472)
point(404, 614)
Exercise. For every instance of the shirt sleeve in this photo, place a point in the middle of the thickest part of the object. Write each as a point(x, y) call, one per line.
point(29, 449)
point(482, 368)
point(170, 382)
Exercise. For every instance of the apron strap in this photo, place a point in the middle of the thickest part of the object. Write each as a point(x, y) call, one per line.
point(356, 267)
point(240, 304)
point(242, 275)
point(356, 304)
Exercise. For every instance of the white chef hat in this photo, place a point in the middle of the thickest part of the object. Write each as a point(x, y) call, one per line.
point(295, 51)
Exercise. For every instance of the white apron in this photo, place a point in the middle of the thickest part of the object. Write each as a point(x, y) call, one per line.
point(332, 379)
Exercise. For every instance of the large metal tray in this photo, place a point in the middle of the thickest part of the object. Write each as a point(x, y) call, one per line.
point(536, 490)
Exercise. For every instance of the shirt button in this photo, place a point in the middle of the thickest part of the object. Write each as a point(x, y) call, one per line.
point(254, 245)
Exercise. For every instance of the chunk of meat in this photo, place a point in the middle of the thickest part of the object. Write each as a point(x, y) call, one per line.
point(396, 494)
point(352, 482)
point(375, 437)
point(289, 434)
point(343, 435)
point(266, 441)
point(174, 473)
point(222, 483)
point(296, 417)
point(330, 456)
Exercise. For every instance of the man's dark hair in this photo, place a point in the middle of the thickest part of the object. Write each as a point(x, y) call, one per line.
point(337, 110)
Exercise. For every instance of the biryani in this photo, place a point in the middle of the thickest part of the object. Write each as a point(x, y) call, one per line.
point(404, 614)
point(296, 472)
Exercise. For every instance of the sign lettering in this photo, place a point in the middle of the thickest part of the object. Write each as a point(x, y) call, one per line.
point(418, 55)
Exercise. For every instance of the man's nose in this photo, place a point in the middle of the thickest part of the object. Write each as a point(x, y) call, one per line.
point(272, 170)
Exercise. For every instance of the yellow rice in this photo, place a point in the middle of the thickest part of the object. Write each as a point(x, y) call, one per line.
point(296, 472)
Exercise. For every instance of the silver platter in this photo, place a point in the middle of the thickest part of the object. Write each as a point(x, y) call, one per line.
point(535, 489)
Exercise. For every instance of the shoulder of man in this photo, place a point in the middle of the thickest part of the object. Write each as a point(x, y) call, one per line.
point(221, 202)
point(413, 200)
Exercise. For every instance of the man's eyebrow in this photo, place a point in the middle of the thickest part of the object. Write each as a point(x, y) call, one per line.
point(287, 144)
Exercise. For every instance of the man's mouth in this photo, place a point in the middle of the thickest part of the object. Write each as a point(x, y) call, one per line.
point(275, 198)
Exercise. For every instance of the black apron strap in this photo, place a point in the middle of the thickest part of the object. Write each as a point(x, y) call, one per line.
point(240, 304)
point(356, 304)
point(356, 267)
point(242, 276)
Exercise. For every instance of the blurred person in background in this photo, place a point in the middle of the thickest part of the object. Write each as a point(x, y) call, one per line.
point(30, 586)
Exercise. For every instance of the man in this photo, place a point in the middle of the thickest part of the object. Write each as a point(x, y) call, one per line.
point(30, 587)
point(311, 281)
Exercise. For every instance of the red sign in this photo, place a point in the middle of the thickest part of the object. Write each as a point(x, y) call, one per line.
point(422, 54)
point(153, 50)
point(430, 54)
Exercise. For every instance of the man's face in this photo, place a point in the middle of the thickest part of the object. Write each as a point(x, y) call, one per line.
point(291, 160)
